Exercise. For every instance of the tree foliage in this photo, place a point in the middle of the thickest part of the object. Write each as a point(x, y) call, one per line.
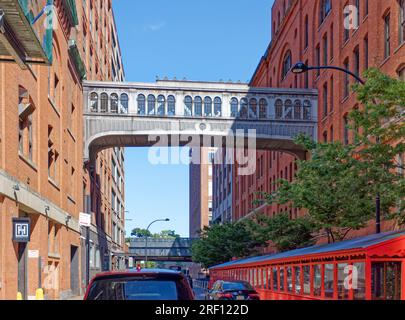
point(222, 243)
point(339, 183)
point(284, 233)
point(166, 234)
point(379, 129)
point(141, 233)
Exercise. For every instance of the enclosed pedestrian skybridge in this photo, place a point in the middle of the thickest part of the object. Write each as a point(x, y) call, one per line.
point(161, 249)
point(139, 114)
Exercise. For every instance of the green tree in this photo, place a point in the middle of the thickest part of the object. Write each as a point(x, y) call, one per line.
point(221, 243)
point(379, 130)
point(167, 234)
point(339, 183)
point(141, 233)
point(284, 233)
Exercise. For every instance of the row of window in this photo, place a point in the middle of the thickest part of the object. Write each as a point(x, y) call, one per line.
point(112, 103)
point(244, 108)
point(327, 281)
point(324, 10)
point(387, 29)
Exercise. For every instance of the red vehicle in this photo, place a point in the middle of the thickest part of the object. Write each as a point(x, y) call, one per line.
point(146, 284)
point(367, 268)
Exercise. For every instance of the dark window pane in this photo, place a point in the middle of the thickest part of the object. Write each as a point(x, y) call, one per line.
point(343, 290)
point(359, 281)
point(198, 107)
point(329, 280)
point(307, 280)
point(386, 281)
point(297, 275)
point(289, 279)
point(141, 104)
point(317, 280)
point(282, 279)
point(275, 279)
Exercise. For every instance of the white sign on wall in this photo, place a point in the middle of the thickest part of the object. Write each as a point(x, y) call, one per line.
point(84, 219)
point(33, 254)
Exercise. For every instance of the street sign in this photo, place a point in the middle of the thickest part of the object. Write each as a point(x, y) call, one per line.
point(33, 254)
point(21, 229)
point(84, 219)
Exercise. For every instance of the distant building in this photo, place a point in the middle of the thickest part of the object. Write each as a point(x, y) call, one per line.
point(223, 175)
point(200, 202)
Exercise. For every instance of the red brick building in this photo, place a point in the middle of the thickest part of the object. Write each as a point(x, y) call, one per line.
point(313, 31)
point(41, 147)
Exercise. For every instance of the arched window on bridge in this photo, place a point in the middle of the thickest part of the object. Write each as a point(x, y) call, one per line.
point(288, 109)
point(104, 102)
point(279, 109)
point(171, 105)
point(234, 107)
point(114, 103)
point(307, 110)
point(124, 103)
point(297, 110)
point(217, 107)
point(161, 105)
point(243, 108)
point(141, 104)
point(253, 108)
point(207, 107)
point(263, 108)
point(151, 105)
point(188, 106)
point(93, 102)
point(198, 106)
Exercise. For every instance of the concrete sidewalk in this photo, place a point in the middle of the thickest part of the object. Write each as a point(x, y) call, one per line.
point(75, 298)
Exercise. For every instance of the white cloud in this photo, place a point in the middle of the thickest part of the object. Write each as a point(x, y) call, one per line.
point(154, 27)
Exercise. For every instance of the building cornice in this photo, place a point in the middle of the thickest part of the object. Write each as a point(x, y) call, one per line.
point(33, 203)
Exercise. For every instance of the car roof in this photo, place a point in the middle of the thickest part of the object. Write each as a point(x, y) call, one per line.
point(132, 272)
point(234, 281)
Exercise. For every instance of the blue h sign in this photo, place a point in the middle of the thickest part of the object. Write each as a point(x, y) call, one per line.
point(21, 229)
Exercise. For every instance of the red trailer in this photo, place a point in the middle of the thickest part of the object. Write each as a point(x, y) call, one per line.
point(367, 268)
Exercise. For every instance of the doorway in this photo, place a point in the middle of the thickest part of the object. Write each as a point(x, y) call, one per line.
point(74, 270)
point(386, 280)
point(22, 269)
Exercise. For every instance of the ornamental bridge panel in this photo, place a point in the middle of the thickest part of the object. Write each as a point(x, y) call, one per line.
point(129, 114)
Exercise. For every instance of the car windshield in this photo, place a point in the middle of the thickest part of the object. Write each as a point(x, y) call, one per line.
point(121, 289)
point(228, 286)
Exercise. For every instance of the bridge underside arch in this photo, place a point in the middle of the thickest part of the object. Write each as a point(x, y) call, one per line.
point(128, 131)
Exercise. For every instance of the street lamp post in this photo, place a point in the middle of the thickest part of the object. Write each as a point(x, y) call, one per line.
point(301, 67)
point(146, 238)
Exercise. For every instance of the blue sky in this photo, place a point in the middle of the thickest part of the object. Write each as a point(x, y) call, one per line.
point(194, 39)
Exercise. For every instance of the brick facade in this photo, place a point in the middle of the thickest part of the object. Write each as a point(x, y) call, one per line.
point(200, 188)
point(41, 157)
point(104, 179)
point(301, 31)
